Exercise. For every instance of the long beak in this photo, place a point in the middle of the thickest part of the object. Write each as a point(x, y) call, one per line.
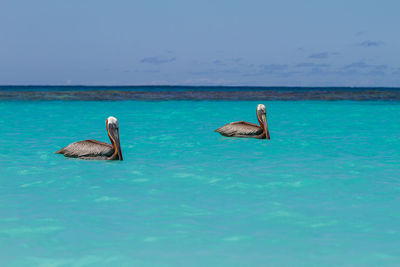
point(115, 132)
point(264, 120)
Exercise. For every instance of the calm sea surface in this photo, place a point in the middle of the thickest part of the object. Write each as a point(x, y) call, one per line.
point(325, 190)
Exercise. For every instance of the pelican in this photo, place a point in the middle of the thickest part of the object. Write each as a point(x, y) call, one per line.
point(247, 129)
point(92, 149)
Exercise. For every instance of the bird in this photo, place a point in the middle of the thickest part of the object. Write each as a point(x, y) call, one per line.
point(96, 150)
point(247, 129)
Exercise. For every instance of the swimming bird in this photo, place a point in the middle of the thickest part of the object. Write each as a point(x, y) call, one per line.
point(92, 149)
point(247, 129)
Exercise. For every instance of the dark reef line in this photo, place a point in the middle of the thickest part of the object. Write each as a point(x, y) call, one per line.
point(116, 95)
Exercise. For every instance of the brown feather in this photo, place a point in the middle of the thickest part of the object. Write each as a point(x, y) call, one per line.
point(87, 149)
point(241, 129)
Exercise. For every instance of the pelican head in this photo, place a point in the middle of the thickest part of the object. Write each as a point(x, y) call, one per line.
point(113, 133)
point(262, 118)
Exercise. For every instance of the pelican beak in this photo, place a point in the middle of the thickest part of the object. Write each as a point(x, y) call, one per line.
point(264, 120)
point(115, 135)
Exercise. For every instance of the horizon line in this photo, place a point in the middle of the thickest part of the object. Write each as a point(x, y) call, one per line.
point(180, 85)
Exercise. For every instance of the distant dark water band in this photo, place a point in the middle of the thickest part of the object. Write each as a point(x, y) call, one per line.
point(116, 95)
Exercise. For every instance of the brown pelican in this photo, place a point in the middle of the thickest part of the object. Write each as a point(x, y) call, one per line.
point(92, 149)
point(247, 129)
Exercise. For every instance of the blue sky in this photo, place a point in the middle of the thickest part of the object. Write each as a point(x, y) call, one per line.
point(270, 43)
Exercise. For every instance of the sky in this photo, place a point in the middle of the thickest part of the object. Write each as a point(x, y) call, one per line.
point(185, 42)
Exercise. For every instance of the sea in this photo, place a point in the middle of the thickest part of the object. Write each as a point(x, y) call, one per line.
point(323, 191)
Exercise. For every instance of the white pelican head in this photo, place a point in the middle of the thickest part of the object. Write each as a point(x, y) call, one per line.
point(262, 118)
point(113, 133)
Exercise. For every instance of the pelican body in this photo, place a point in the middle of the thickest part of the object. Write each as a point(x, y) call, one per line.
point(247, 129)
point(96, 150)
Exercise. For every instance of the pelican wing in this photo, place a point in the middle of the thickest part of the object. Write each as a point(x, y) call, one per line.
point(240, 128)
point(87, 149)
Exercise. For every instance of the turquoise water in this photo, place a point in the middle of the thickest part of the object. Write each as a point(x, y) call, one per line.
point(325, 189)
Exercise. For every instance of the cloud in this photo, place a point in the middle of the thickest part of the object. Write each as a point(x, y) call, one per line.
point(216, 71)
point(231, 71)
point(243, 69)
point(219, 62)
point(207, 81)
point(267, 69)
point(363, 65)
point(369, 43)
point(356, 65)
point(311, 65)
point(319, 70)
point(360, 33)
point(141, 71)
point(396, 71)
point(273, 68)
point(237, 60)
point(360, 67)
point(321, 55)
point(203, 72)
point(157, 60)
point(309, 68)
